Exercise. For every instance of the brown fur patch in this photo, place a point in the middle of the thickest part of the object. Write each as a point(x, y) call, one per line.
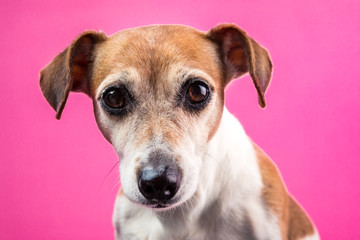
point(151, 50)
point(274, 192)
point(299, 223)
point(293, 221)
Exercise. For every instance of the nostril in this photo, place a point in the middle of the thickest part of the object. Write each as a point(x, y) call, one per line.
point(169, 188)
point(159, 184)
point(148, 190)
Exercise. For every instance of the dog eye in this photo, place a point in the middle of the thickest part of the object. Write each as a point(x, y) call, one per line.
point(117, 100)
point(197, 92)
point(114, 98)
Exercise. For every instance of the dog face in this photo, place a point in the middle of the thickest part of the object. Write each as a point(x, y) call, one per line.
point(158, 96)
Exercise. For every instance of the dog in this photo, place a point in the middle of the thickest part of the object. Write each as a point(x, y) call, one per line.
point(187, 168)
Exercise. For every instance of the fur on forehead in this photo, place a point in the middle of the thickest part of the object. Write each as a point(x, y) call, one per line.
point(154, 50)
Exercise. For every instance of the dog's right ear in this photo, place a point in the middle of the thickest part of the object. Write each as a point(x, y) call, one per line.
point(70, 70)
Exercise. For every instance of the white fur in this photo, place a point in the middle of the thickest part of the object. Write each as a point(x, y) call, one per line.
point(230, 163)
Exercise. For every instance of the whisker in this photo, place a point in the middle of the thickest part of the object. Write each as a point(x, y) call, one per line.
point(103, 181)
point(118, 183)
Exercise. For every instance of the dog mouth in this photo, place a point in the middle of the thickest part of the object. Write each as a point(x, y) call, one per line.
point(156, 205)
point(160, 206)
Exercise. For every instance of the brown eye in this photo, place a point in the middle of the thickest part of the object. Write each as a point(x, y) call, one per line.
point(197, 92)
point(114, 98)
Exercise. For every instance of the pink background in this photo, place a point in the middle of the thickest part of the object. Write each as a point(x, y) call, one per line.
point(56, 180)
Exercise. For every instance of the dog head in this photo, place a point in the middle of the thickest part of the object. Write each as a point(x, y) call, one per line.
point(158, 97)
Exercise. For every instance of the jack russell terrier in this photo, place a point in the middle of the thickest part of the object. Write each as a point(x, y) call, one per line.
point(187, 168)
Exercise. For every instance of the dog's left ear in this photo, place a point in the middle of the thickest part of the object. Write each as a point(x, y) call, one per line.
point(240, 55)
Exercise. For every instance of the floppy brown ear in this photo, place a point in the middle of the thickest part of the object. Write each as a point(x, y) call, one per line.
point(240, 55)
point(70, 70)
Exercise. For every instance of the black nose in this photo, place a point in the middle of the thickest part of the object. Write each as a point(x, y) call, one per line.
point(160, 184)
